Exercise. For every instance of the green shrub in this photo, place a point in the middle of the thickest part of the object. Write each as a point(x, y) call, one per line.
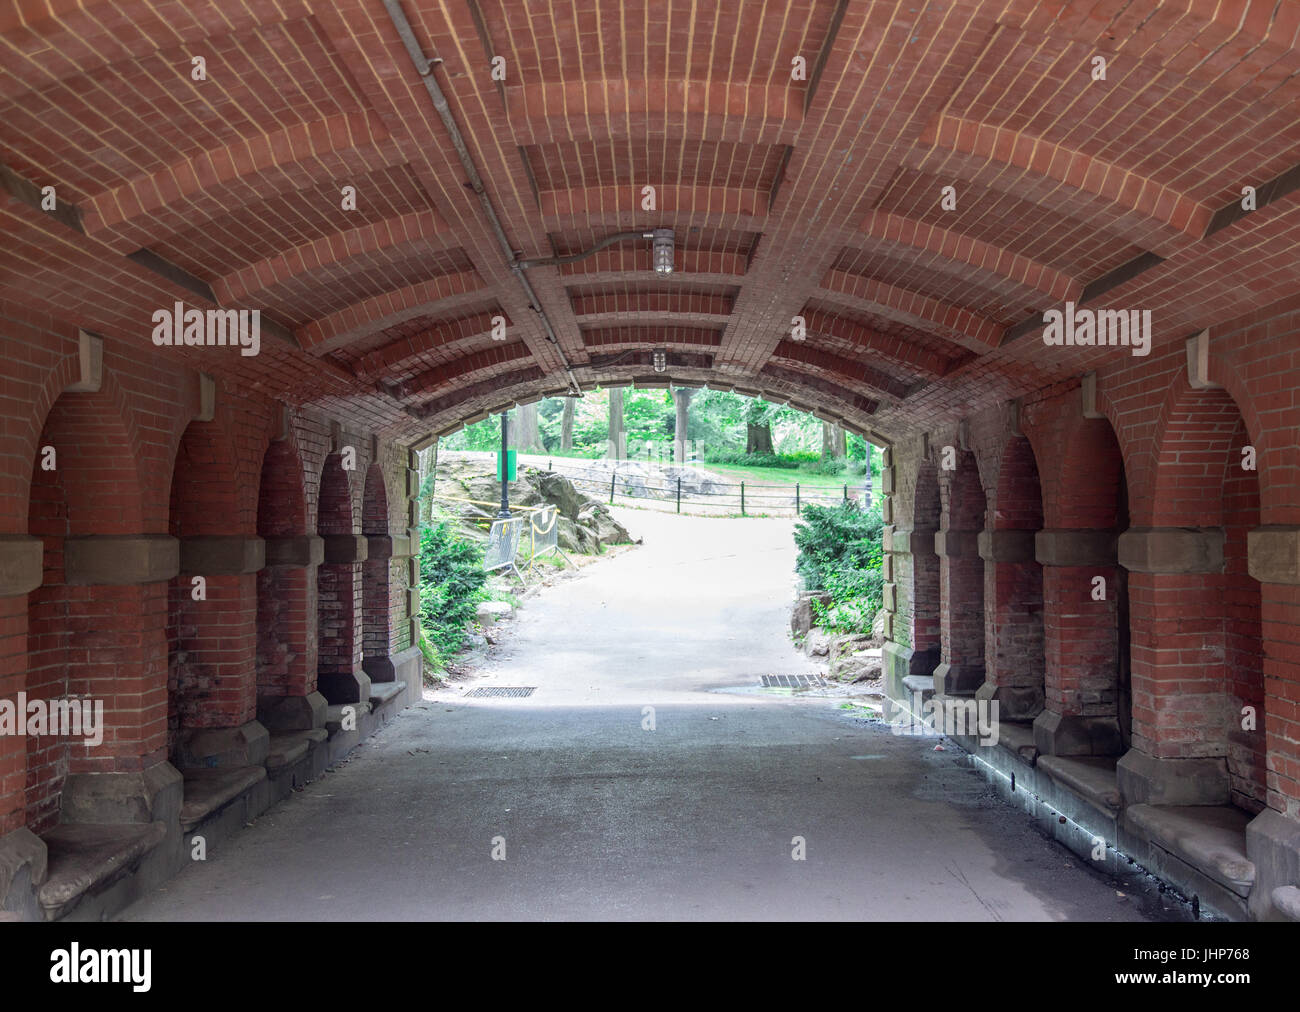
point(451, 586)
point(840, 552)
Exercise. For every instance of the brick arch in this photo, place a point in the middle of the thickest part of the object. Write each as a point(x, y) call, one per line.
point(206, 486)
point(1085, 487)
point(964, 501)
point(1068, 180)
point(281, 498)
point(1198, 654)
point(91, 640)
point(334, 513)
point(1018, 493)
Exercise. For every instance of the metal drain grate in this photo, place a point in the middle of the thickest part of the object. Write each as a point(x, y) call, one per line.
point(513, 691)
point(791, 681)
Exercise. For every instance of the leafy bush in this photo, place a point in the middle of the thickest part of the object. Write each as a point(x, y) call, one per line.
point(451, 586)
point(840, 551)
point(786, 461)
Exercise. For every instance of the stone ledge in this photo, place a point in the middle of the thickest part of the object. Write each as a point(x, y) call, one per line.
point(378, 546)
point(1210, 838)
point(301, 550)
point(1274, 554)
point(115, 560)
point(21, 564)
point(223, 555)
point(84, 856)
point(1007, 546)
point(1171, 550)
point(1075, 547)
point(1091, 777)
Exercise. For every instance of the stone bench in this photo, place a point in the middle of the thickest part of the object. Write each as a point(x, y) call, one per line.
point(382, 692)
point(287, 747)
point(87, 855)
point(1209, 838)
point(209, 790)
point(1091, 777)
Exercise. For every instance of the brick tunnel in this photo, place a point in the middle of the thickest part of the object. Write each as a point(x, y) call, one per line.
point(1046, 255)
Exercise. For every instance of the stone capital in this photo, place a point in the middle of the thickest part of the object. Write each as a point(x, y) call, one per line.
point(1007, 546)
point(957, 544)
point(120, 559)
point(222, 555)
point(341, 549)
point(1171, 550)
point(21, 564)
point(1274, 554)
point(299, 550)
point(1075, 547)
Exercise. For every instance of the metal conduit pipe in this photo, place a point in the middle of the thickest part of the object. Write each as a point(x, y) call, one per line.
point(424, 67)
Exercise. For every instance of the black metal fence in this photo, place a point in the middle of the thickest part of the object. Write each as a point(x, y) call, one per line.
point(746, 497)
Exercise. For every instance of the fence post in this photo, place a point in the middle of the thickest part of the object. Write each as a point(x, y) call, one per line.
point(742, 498)
point(612, 475)
point(679, 493)
point(846, 493)
point(796, 498)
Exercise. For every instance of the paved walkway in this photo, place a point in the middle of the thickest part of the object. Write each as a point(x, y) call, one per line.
point(604, 819)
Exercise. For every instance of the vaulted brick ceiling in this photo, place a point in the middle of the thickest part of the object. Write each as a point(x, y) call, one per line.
point(817, 197)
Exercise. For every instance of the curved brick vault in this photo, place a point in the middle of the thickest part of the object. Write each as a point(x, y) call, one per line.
point(817, 195)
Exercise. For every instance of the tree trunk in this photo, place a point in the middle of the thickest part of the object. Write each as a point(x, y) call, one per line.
point(616, 432)
point(841, 439)
point(758, 438)
point(682, 401)
point(524, 434)
point(566, 424)
point(828, 441)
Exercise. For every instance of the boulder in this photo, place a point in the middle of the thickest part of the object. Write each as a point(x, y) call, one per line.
point(855, 665)
point(801, 616)
point(605, 528)
point(817, 643)
point(492, 611)
point(845, 645)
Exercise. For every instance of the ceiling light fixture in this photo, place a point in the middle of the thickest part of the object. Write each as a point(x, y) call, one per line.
point(663, 242)
point(660, 360)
